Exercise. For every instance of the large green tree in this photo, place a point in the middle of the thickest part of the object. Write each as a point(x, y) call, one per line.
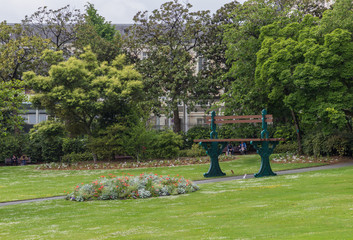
point(212, 64)
point(19, 51)
point(242, 36)
point(11, 98)
point(168, 36)
point(87, 95)
point(99, 34)
point(307, 67)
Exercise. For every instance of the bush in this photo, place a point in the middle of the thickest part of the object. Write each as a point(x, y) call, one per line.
point(166, 144)
point(74, 145)
point(288, 147)
point(198, 132)
point(320, 144)
point(77, 157)
point(13, 145)
point(195, 151)
point(46, 141)
point(144, 144)
point(142, 186)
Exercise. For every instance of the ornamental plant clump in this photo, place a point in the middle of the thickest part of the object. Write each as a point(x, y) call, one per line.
point(131, 187)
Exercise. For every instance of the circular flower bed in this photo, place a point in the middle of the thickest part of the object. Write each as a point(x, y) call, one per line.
point(127, 187)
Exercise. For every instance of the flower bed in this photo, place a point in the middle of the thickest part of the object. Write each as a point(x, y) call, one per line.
point(131, 187)
point(129, 164)
point(293, 158)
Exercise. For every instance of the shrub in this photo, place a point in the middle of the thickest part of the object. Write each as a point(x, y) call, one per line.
point(77, 157)
point(142, 186)
point(198, 132)
point(195, 151)
point(143, 144)
point(46, 141)
point(13, 144)
point(74, 145)
point(288, 147)
point(320, 144)
point(166, 144)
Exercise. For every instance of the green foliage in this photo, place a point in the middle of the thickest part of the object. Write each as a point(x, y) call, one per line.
point(142, 186)
point(46, 141)
point(240, 131)
point(86, 94)
point(19, 52)
point(195, 151)
point(306, 68)
point(74, 145)
point(288, 147)
point(319, 144)
point(11, 98)
point(285, 131)
point(100, 35)
point(168, 36)
point(13, 144)
point(165, 144)
point(213, 67)
point(242, 36)
point(147, 144)
point(74, 157)
point(103, 28)
point(198, 132)
point(109, 142)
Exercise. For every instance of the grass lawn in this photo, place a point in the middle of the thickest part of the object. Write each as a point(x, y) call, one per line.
point(25, 182)
point(311, 205)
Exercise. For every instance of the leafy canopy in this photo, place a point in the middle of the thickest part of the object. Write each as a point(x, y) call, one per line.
point(86, 94)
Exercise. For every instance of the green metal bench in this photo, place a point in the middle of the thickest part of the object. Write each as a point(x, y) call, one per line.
point(264, 146)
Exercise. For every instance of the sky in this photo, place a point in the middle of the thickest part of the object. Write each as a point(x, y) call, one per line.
point(115, 11)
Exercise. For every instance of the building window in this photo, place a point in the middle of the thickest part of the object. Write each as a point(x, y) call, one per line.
point(200, 121)
point(201, 63)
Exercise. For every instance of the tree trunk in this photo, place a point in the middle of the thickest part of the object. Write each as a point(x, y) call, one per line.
point(297, 129)
point(177, 122)
point(95, 158)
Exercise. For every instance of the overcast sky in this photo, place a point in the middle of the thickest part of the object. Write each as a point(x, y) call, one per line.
point(115, 11)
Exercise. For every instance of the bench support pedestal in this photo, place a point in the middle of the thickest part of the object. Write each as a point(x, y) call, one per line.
point(264, 150)
point(214, 151)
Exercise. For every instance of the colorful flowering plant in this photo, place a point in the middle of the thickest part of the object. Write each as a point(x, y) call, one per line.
point(127, 187)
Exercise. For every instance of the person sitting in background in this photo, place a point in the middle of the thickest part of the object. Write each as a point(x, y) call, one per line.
point(14, 160)
point(229, 149)
point(23, 159)
point(242, 148)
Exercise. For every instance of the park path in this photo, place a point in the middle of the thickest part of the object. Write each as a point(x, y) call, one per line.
point(210, 180)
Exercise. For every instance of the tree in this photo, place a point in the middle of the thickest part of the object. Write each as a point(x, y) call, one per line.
point(11, 98)
point(212, 49)
point(168, 36)
point(59, 26)
point(100, 35)
point(276, 61)
point(304, 7)
point(19, 52)
point(87, 95)
point(307, 66)
point(242, 36)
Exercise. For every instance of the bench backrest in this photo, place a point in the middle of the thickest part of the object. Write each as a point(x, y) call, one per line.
point(240, 119)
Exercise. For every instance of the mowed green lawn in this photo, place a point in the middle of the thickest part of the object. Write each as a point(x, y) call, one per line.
point(25, 182)
point(311, 205)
